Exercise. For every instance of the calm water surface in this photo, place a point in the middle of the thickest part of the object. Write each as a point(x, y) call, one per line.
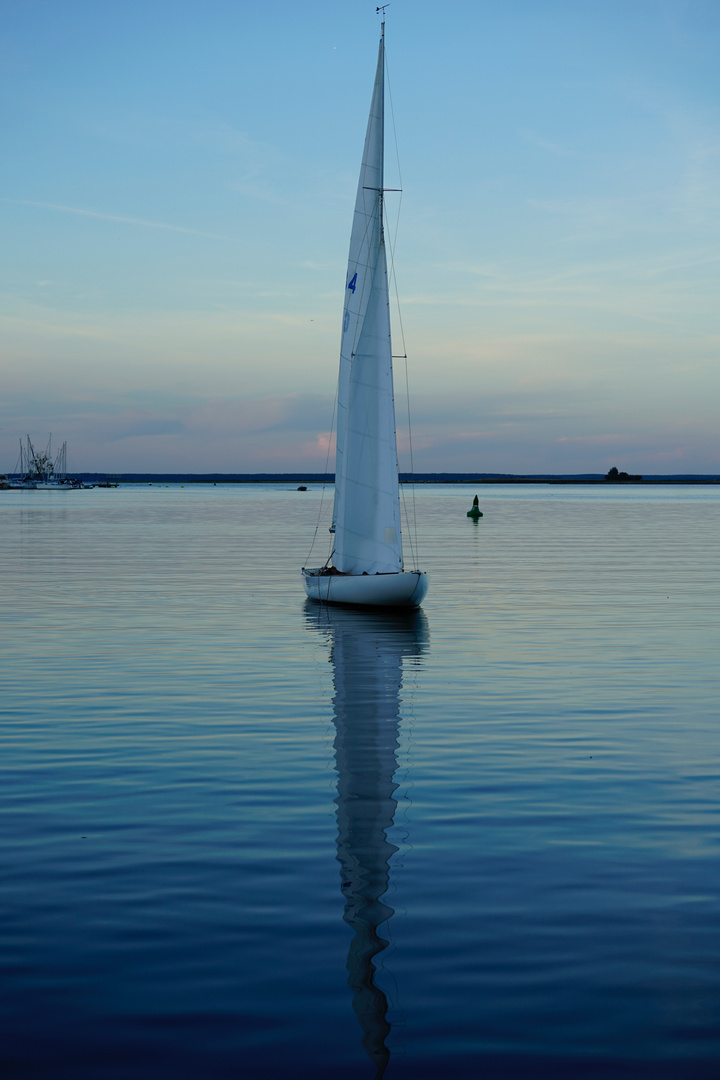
point(244, 836)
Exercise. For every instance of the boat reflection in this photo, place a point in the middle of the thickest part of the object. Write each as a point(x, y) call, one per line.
point(367, 651)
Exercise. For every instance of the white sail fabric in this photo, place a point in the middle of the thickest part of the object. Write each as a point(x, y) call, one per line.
point(367, 506)
point(367, 529)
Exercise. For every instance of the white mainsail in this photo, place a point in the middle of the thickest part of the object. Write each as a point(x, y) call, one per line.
point(367, 503)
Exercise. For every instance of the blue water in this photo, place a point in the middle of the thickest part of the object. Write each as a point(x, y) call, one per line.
point(243, 836)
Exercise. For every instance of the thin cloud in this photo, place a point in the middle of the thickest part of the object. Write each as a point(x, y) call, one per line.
point(624, 438)
point(545, 144)
point(118, 217)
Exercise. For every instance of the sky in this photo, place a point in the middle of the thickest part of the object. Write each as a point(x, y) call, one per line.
point(177, 182)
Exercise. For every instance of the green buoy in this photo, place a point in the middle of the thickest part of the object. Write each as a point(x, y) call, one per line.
point(475, 512)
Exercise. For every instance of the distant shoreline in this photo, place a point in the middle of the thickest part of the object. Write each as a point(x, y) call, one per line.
point(405, 478)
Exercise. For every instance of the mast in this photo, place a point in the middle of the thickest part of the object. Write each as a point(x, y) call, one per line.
point(381, 64)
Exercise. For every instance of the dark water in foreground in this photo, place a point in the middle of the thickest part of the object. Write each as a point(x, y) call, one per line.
point(246, 837)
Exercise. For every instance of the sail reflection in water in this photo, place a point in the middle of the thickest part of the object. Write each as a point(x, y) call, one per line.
point(367, 654)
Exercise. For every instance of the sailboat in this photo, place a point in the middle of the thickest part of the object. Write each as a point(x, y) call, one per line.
point(366, 563)
point(38, 469)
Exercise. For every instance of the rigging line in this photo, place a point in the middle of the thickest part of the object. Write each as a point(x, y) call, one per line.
point(394, 277)
point(324, 484)
point(397, 151)
point(411, 525)
point(413, 553)
point(412, 461)
point(331, 541)
point(392, 117)
point(411, 532)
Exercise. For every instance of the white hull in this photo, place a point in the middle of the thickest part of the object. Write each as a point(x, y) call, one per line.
point(406, 589)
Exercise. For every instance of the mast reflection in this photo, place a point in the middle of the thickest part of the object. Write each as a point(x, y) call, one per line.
point(367, 652)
